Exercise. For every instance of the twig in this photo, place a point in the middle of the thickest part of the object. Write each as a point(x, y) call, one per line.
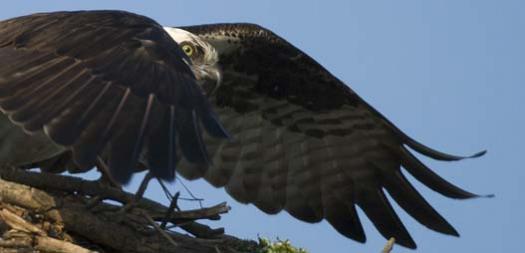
point(211, 213)
point(159, 229)
point(94, 188)
point(16, 222)
point(101, 228)
point(48, 244)
point(202, 231)
point(41, 241)
point(389, 245)
point(189, 192)
point(171, 209)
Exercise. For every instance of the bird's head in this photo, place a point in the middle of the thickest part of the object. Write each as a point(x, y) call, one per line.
point(204, 58)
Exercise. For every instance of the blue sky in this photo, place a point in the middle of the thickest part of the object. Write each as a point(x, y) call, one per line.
point(449, 73)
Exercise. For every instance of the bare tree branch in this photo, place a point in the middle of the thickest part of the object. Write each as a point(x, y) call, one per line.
point(54, 218)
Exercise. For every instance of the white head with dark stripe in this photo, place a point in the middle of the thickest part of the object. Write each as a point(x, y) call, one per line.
point(204, 58)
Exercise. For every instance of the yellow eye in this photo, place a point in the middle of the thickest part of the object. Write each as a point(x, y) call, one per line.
point(188, 49)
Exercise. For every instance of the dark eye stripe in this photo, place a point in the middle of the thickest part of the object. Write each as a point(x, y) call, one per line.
point(199, 50)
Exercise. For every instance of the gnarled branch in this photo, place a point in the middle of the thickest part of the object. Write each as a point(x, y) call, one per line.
point(55, 218)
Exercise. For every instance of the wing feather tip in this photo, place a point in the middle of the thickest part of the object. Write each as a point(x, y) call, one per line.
point(360, 238)
point(475, 155)
point(447, 229)
point(409, 244)
point(435, 154)
point(475, 196)
point(454, 233)
point(405, 241)
point(355, 233)
point(214, 127)
point(121, 178)
point(485, 196)
point(479, 154)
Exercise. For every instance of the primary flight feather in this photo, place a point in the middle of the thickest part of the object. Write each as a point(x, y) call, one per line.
point(119, 86)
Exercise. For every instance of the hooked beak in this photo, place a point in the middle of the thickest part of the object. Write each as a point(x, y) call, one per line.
point(210, 78)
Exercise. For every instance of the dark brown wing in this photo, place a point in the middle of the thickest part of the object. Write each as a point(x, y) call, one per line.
point(306, 143)
point(107, 82)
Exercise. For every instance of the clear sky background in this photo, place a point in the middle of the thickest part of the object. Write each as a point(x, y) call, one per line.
point(449, 73)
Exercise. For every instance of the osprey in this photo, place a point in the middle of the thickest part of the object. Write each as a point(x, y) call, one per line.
point(234, 104)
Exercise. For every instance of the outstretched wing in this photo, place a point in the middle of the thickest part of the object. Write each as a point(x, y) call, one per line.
point(103, 82)
point(305, 142)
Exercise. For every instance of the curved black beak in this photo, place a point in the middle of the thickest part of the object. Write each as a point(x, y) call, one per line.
point(210, 79)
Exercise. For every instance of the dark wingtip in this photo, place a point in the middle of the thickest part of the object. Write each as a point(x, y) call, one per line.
point(479, 154)
point(429, 178)
point(354, 232)
point(163, 173)
point(213, 125)
point(119, 176)
point(452, 232)
point(476, 155)
point(435, 154)
point(361, 238)
point(488, 196)
point(407, 243)
point(476, 196)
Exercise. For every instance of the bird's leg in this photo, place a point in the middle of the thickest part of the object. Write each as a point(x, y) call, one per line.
point(105, 179)
point(143, 185)
point(173, 206)
point(140, 192)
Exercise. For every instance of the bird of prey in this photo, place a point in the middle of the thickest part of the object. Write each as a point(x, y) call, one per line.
point(234, 104)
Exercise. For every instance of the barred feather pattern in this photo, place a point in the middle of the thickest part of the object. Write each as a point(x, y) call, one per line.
point(100, 83)
point(304, 142)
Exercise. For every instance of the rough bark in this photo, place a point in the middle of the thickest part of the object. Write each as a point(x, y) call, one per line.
point(52, 213)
